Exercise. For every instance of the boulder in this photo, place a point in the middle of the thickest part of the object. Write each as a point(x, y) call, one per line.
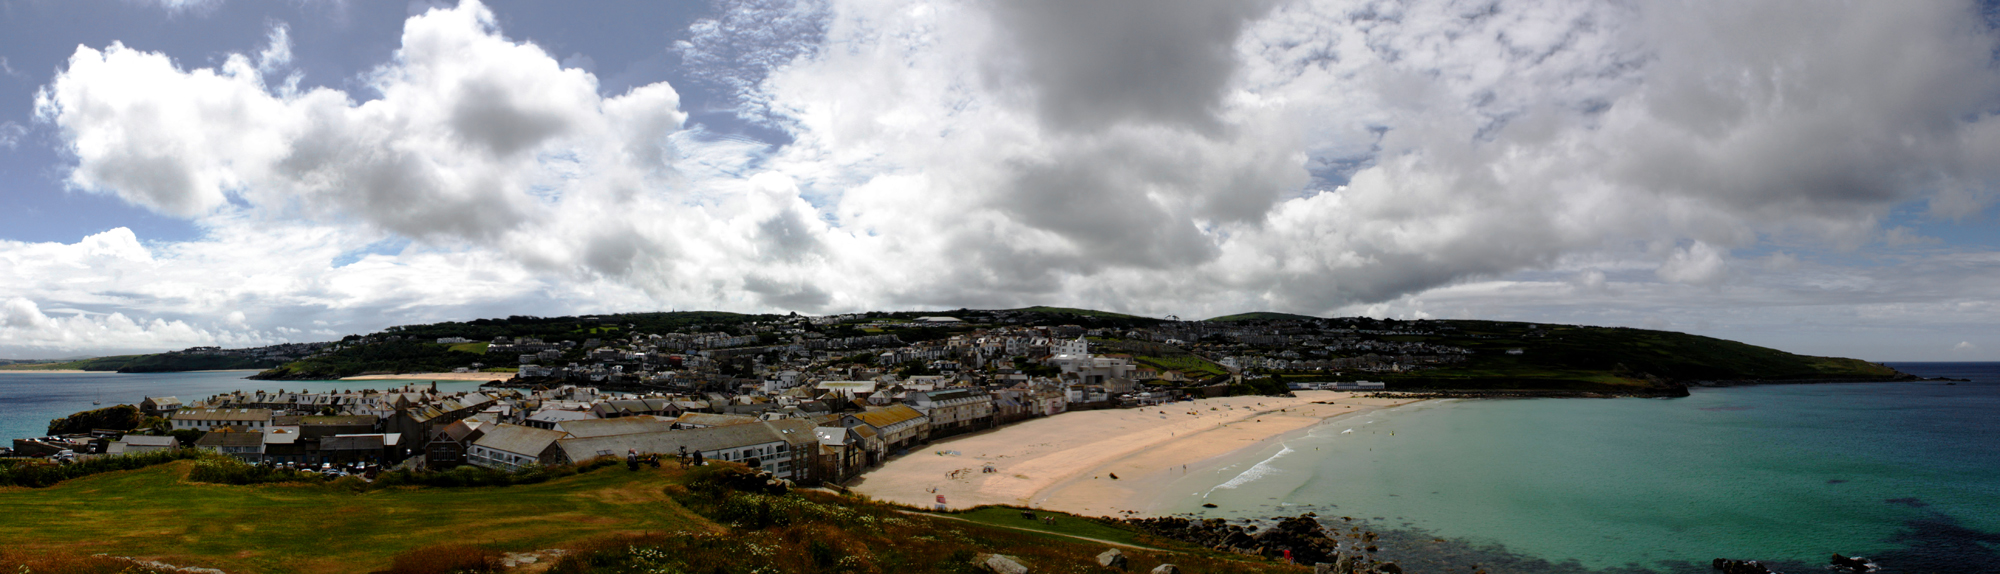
point(1166, 569)
point(1112, 558)
point(1003, 564)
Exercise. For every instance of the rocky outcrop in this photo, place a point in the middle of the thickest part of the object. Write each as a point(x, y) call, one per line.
point(1856, 565)
point(1166, 569)
point(1301, 538)
point(1727, 566)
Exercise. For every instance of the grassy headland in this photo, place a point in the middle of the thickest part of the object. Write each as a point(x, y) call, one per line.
point(611, 520)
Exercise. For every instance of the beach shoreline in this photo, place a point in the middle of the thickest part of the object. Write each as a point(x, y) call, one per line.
point(482, 377)
point(1066, 462)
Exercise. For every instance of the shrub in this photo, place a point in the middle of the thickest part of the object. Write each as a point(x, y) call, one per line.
point(38, 474)
point(223, 469)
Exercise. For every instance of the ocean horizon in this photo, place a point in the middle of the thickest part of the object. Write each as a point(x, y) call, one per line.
point(1906, 473)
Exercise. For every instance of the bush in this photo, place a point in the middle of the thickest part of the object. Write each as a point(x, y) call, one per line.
point(117, 417)
point(469, 476)
point(38, 474)
point(445, 559)
point(223, 469)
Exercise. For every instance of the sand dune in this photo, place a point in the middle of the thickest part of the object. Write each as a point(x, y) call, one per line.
point(1064, 462)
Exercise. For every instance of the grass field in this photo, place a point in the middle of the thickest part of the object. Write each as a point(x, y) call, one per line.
point(614, 520)
point(1011, 518)
point(474, 348)
point(284, 528)
point(1192, 366)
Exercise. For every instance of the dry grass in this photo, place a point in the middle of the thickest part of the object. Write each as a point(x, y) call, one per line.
point(446, 559)
point(13, 562)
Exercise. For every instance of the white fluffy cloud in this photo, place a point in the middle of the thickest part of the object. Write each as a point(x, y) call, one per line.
point(1183, 157)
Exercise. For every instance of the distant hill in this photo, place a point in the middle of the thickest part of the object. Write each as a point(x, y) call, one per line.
point(1079, 313)
point(1487, 355)
point(154, 363)
point(1264, 316)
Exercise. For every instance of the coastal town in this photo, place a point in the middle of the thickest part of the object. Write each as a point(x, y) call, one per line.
point(812, 409)
point(1055, 414)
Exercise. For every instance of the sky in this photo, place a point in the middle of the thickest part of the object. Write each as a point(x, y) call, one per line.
point(1817, 176)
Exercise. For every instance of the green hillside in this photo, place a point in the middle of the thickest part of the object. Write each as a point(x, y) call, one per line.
point(1264, 316)
point(404, 356)
point(1043, 310)
point(1580, 357)
point(156, 363)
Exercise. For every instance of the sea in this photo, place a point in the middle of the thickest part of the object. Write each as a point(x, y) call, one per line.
point(1906, 474)
point(29, 400)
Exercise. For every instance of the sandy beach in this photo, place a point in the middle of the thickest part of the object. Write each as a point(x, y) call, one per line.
point(1065, 462)
point(434, 377)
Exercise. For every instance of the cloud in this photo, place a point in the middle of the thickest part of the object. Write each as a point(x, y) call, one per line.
point(183, 6)
point(11, 134)
point(1697, 263)
point(278, 53)
point(1194, 158)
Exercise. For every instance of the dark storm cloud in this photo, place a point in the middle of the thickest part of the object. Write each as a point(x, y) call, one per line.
point(1095, 64)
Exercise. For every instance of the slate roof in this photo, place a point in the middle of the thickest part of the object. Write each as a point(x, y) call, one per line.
point(559, 416)
point(713, 420)
point(457, 431)
point(526, 441)
point(797, 432)
point(227, 415)
point(316, 420)
point(142, 440)
point(669, 442)
point(231, 439)
point(589, 428)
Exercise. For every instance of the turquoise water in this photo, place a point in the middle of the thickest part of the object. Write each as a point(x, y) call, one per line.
point(29, 400)
point(1909, 471)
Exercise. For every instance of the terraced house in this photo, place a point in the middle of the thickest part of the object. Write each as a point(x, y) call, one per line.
point(205, 419)
point(898, 426)
point(953, 411)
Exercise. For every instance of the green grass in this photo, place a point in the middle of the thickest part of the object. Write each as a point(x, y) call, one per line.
point(610, 517)
point(474, 348)
point(286, 528)
point(1190, 365)
point(1065, 524)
